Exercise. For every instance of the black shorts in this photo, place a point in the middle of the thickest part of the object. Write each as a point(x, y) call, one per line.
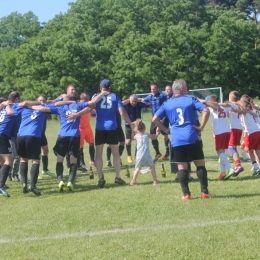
point(128, 132)
point(153, 129)
point(187, 153)
point(106, 137)
point(121, 136)
point(29, 147)
point(44, 141)
point(67, 144)
point(5, 146)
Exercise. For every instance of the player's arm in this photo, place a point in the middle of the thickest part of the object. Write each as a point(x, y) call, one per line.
point(92, 103)
point(125, 116)
point(9, 110)
point(29, 103)
point(41, 109)
point(204, 119)
point(154, 136)
point(126, 101)
point(249, 111)
point(63, 102)
point(74, 115)
point(255, 107)
point(157, 121)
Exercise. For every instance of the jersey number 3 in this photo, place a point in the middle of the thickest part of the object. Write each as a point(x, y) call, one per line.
point(180, 116)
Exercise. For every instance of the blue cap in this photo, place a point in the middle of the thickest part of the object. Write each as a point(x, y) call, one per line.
point(207, 98)
point(105, 83)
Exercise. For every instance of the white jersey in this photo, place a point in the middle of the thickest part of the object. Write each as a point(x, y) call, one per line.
point(249, 123)
point(219, 120)
point(235, 122)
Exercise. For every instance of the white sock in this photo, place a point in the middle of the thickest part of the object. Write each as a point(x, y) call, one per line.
point(225, 161)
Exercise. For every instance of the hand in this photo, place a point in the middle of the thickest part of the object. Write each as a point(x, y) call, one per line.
point(158, 131)
point(6, 103)
point(72, 116)
point(198, 129)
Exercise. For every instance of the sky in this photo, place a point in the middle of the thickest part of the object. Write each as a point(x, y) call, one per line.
point(44, 9)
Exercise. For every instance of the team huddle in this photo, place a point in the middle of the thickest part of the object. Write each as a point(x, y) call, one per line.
point(175, 113)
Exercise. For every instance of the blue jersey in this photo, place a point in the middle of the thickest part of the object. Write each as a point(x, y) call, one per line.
point(181, 114)
point(16, 125)
point(156, 101)
point(106, 110)
point(6, 123)
point(68, 127)
point(134, 112)
point(31, 121)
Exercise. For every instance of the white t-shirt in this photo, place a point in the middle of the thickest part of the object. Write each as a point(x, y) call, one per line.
point(234, 117)
point(219, 120)
point(249, 123)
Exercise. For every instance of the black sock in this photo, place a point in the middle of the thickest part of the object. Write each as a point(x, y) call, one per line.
point(121, 149)
point(128, 149)
point(167, 146)
point(92, 152)
point(73, 172)
point(155, 144)
point(45, 162)
point(202, 175)
point(4, 174)
point(34, 174)
point(24, 171)
point(59, 171)
point(78, 160)
point(183, 176)
point(108, 153)
point(81, 156)
point(68, 160)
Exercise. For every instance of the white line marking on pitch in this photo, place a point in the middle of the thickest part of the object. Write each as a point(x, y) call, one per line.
point(130, 230)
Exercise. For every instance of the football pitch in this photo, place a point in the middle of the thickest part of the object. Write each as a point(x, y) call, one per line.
point(126, 222)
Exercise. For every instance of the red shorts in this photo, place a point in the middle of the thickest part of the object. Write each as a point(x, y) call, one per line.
point(86, 135)
point(244, 143)
point(221, 141)
point(235, 137)
point(254, 141)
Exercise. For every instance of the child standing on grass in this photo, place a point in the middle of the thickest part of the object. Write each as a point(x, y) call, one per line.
point(143, 156)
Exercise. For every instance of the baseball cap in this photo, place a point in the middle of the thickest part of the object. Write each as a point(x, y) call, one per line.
point(105, 83)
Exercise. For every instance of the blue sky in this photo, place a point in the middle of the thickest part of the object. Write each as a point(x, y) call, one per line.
point(44, 9)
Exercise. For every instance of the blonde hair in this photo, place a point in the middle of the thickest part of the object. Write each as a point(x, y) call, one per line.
point(234, 95)
point(139, 125)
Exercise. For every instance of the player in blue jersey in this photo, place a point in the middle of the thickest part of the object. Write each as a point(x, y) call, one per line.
point(156, 99)
point(133, 109)
point(6, 125)
point(184, 137)
point(68, 137)
point(44, 143)
point(29, 142)
point(106, 130)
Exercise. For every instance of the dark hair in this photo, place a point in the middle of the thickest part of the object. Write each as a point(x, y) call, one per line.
point(13, 96)
point(2, 99)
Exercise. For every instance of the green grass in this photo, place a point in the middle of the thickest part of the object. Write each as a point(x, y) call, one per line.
point(124, 222)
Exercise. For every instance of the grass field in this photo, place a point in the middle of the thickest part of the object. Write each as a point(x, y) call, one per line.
point(125, 222)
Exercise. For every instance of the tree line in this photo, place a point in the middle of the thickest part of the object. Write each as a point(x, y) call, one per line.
point(209, 43)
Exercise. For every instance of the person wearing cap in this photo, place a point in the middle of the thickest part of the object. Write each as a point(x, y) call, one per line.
point(106, 129)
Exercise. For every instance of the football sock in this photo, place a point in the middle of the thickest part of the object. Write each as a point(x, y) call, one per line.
point(45, 162)
point(59, 171)
point(92, 152)
point(34, 174)
point(128, 149)
point(24, 171)
point(121, 149)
